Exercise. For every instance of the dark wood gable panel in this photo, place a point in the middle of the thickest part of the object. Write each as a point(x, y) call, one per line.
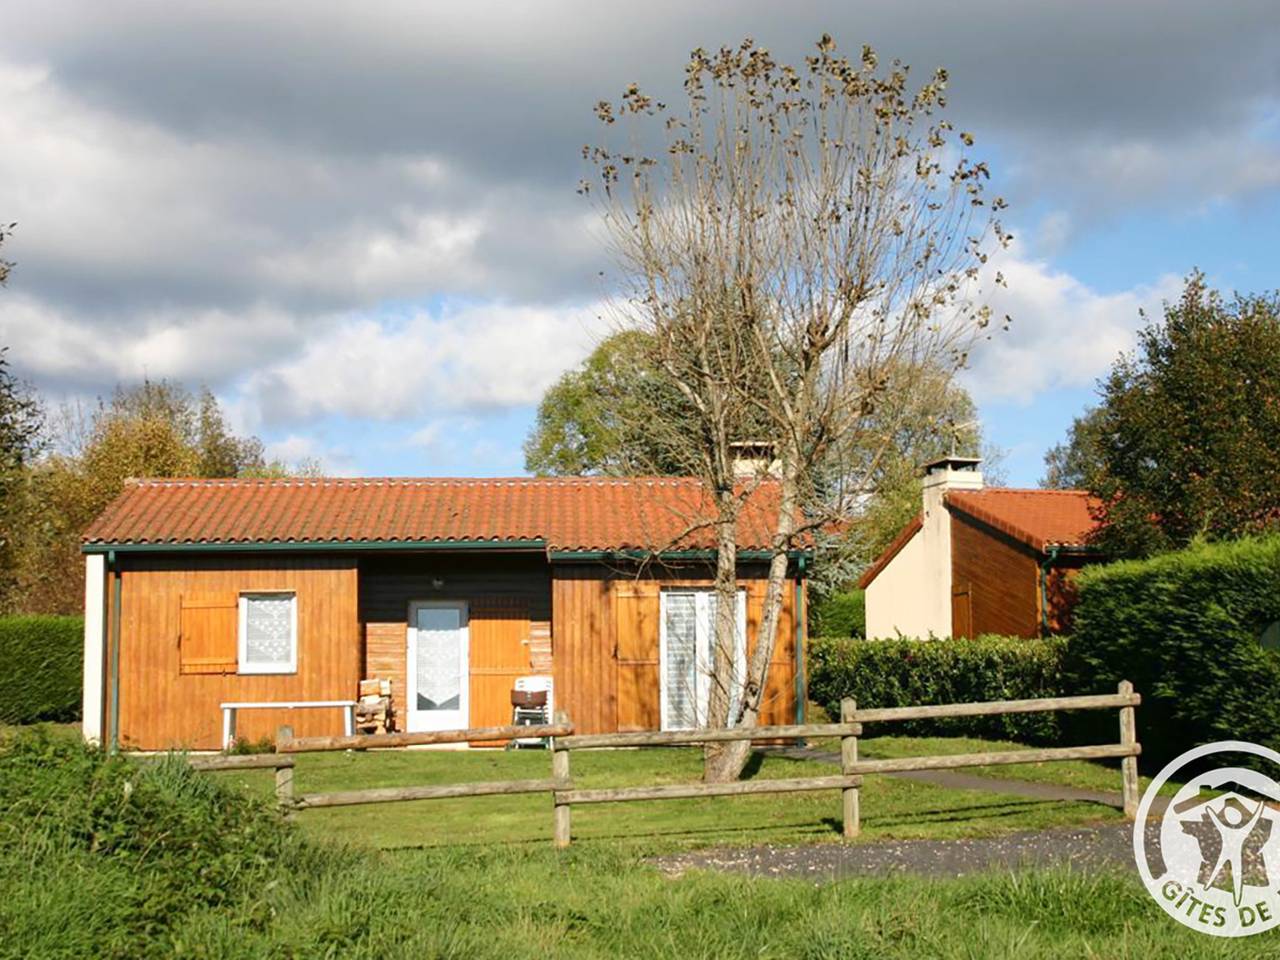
point(999, 576)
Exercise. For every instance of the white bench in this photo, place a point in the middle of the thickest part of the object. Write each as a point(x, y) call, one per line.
point(348, 708)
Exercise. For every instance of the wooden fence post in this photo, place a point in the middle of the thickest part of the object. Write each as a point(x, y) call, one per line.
point(848, 757)
point(560, 774)
point(284, 775)
point(1128, 765)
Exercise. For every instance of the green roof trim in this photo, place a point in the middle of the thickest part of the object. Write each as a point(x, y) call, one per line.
point(364, 546)
point(313, 546)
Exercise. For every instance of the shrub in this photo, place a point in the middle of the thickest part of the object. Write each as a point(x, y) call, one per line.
point(900, 673)
point(109, 857)
point(41, 666)
point(1186, 628)
point(840, 615)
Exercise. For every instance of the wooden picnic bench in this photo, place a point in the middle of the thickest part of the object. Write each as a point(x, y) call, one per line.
point(230, 709)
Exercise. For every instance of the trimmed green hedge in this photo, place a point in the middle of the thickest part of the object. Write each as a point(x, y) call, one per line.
point(840, 615)
point(40, 668)
point(899, 673)
point(1187, 629)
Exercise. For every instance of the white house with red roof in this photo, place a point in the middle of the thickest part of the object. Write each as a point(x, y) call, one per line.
point(980, 559)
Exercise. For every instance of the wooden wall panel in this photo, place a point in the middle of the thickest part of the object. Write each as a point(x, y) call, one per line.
point(499, 641)
point(605, 627)
point(637, 605)
point(161, 707)
point(582, 635)
point(1001, 575)
point(1062, 591)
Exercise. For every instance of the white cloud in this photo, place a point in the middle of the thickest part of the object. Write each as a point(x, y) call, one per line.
point(1064, 333)
point(60, 346)
point(478, 356)
point(296, 448)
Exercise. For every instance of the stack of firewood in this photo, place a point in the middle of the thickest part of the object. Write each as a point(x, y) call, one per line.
point(373, 708)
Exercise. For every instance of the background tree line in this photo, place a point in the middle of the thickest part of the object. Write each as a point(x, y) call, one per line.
point(60, 468)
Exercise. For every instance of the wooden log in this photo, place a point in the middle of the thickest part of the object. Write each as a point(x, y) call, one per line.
point(668, 738)
point(1129, 765)
point(903, 764)
point(562, 812)
point(679, 791)
point(253, 761)
point(375, 741)
point(284, 786)
point(850, 799)
point(1103, 701)
point(347, 798)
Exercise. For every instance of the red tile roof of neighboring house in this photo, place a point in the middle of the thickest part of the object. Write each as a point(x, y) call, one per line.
point(891, 551)
point(569, 514)
point(1038, 518)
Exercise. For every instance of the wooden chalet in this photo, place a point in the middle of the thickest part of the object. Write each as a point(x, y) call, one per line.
point(278, 597)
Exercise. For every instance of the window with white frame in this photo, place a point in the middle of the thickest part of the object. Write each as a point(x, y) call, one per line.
point(686, 641)
point(268, 632)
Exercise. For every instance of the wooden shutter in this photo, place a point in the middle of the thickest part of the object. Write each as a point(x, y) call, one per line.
point(637, 609)
point(499, 635)
point(208, 633)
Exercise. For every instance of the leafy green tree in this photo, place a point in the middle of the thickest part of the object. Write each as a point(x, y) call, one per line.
point(21, 422)
point(591, 419)
point(1188, 426)
point(1070, 465)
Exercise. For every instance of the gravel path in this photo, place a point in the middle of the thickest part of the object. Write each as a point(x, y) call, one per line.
point(1107, 847)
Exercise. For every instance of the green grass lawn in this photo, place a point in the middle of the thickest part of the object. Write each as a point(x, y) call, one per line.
point(104, 860)
point(890, 807)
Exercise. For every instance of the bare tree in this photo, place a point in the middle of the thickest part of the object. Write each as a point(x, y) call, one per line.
point(803, 239)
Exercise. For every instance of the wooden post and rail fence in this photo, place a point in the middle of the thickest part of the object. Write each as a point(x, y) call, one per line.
point(563, 742)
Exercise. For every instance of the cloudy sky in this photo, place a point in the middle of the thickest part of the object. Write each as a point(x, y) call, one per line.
point(357, 222)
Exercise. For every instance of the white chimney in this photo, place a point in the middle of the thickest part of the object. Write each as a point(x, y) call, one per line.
point(940, 477)
point(754, 458)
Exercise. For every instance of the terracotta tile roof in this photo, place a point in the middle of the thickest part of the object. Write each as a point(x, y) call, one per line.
point(1038, 518)
point(577, 513)
point(891, 551)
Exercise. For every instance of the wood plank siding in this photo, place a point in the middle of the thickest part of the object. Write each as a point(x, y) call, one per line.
point(606, 637)
point(593, 627)
point(164, 704)
point(509, 602)
point(995, 581)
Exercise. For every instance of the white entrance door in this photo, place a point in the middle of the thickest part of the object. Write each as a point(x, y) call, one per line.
point(438, 666)
point(686, 644)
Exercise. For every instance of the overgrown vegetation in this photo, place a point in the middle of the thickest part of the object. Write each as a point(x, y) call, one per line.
point(40, 668)
point(108, 857)
point(1188, 629)
point(893, 673)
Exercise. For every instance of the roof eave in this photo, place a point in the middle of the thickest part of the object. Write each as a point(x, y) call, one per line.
point(570, 556)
